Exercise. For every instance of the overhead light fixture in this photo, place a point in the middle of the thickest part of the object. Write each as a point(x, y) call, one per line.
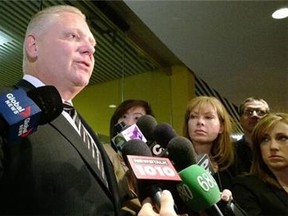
point(112, 106)
point(4, 38)
point(281, 13)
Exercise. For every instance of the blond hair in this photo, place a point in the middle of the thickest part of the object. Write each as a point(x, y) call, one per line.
point(263, 127)
point(222, 151)
point(40, 22)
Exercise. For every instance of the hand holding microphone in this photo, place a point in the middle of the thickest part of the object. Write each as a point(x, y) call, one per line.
point(198, 189)
point(152, 174)
point(166, 203)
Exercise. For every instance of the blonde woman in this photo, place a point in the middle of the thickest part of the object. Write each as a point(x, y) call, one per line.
point(208, 125)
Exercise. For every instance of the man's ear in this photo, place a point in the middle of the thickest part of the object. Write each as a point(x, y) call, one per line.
point(31, 46)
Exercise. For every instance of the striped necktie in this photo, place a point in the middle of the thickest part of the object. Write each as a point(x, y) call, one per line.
point(88, 140)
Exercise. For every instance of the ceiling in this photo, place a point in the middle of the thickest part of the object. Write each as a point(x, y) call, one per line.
point(234, 46)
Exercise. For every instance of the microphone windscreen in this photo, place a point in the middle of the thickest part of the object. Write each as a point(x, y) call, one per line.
point(135, 147)
point(181, 152)
point(146, 124)
point(201, 190)
point(49, 101)
point(163, 133)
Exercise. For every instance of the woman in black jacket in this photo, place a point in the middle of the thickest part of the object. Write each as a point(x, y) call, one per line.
point(265, 190)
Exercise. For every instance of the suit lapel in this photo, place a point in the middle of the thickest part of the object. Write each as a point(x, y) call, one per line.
point(25, 85)
point(67, 130)
point(108, 166)
point(280, 194)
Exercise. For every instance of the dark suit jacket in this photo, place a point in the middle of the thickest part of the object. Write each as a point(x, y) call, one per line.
point(52, 172)
point(243, 156)
point(259, 198)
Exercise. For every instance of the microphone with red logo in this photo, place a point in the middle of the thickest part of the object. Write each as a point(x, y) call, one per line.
point(152, 174)
point(21, 112)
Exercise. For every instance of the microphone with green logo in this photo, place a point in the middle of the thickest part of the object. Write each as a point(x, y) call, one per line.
point(198, 189)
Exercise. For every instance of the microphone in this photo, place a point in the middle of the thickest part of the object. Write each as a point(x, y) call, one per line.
point(129, 133)
point(181, 152)
point(147, 124)
point(163, 133)
point(21, 112)
point(203, 160)
point(152, 174)
point(187, 154)
point(198, 189)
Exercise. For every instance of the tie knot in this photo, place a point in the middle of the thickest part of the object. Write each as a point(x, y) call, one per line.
point(67, 107)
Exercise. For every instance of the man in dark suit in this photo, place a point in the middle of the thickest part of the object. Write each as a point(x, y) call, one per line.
point(250, 111)
point(52, 171)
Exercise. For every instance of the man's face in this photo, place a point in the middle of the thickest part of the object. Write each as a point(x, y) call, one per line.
point(65, 52)
point(253, 111)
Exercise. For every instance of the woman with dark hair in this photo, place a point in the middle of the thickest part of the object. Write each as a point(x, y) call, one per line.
point(265, 190)
point(126, 114)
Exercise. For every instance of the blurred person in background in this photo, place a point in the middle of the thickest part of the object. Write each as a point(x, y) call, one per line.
point(126, 114)
point(251, 111)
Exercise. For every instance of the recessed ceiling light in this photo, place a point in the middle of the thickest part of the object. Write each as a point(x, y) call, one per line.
point(112, 106)
point(281, 13)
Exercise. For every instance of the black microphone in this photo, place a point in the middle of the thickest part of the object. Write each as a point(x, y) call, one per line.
point(163, 133)
point(181, 152)
point(147, 124)
point(152, 174)
point(198, 190)
point(22, 112)
point(49, 101)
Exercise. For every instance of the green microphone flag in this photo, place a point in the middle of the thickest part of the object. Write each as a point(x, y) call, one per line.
point(198, 188)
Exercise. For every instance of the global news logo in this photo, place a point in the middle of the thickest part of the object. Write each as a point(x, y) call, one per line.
point(15, 106)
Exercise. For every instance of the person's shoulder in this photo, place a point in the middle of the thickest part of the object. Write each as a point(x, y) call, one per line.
point(109, 149)
point(249, 181)
point(246, 178)
point(114, 157)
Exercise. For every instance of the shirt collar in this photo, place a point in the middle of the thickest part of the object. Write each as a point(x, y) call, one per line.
point(33, 80)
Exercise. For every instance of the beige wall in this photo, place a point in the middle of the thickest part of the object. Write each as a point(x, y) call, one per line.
point(167, 93)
